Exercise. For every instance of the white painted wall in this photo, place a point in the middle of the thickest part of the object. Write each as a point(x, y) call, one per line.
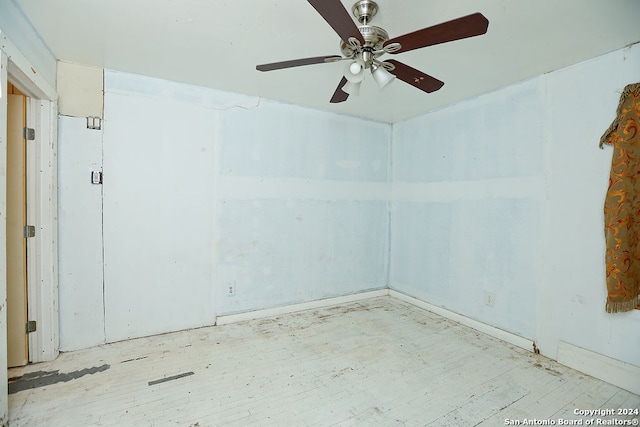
point(468, 191)
point(205, 188)
point(504, 194)
point(581, 101)
point(81, 306)
point(158, 208)
point(302, 212)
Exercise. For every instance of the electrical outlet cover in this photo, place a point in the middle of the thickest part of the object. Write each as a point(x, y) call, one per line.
point(489, 299)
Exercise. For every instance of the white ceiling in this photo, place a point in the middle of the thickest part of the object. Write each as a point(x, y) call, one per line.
point(218, 43)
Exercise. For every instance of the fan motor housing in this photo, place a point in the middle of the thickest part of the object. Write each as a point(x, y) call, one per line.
point(374, 38)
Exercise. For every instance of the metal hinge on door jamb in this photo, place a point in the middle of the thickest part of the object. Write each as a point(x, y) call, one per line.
point(29, 134)
point(29, 231)
point(31, 326)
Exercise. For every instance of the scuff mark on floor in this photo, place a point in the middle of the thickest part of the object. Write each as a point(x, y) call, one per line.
point(174, 377)
point(133, 360)
point(45, 378)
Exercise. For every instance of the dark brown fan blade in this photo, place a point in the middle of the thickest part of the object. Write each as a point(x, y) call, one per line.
point(339, 95)
point(461, 28)
point(337, 16)
point(295, 63)
point(415, 77)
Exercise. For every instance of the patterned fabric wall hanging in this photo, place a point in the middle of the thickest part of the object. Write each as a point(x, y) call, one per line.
point(622, 205)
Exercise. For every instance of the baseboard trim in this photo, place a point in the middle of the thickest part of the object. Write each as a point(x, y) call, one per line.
point(605, 368)
point(500, 334)
point(293, 308)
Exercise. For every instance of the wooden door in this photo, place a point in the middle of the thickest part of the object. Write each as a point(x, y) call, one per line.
point(17, 343)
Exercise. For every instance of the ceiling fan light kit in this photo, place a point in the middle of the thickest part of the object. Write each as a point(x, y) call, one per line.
point(352, 88)
point(381, 76)
point(354, 72)
point(362, 45)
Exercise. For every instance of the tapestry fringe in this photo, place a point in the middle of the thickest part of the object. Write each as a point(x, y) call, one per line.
point(622, 306)
point(627, 90)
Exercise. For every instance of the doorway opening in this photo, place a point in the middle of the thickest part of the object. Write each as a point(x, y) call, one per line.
point(17, 231)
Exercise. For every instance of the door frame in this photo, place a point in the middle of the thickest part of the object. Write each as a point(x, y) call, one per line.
point(42, 266)
point(42, 250)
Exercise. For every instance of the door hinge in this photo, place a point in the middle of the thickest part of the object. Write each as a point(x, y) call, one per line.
point(29, 231)
point(31, 326)
point(29, 134)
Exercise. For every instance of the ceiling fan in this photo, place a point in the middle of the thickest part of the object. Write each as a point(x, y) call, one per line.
point(363, 45)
